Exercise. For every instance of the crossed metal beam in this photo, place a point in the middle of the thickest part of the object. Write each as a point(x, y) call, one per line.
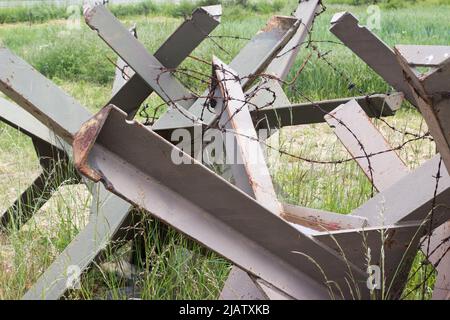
point(428, 92)
point(107, 209)
point(282, 266)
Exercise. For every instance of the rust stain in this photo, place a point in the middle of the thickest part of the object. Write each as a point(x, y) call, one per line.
point(85, 139)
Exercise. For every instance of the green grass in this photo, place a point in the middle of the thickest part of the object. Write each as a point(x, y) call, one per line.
point(77, 60)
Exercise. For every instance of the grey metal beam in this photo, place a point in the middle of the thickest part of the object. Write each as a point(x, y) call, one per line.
point(407, 201)
point(155, 74)
point(348, 122)
point(56, 109)
point(360, 137)
point(320, 220)
point(251, 61)
point(373, 141)
point(123, 72)
point(391, 247)
point(18, 118)
point(282, 64)
point(268, 95)
point(377, 105)
point(248, 165)
point(226, 220)
point(370, 48)
point(40, 97)
point(431, 93)
point(440, 257)
point(55, 172)
point(424, 56)
point(241, 286)
point(112, 217)
point(174, 50)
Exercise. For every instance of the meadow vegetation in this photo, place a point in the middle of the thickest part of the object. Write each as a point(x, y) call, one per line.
point(81, 64)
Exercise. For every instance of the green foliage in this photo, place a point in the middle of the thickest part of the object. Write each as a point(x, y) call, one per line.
point(77, 61)
point(34, 14)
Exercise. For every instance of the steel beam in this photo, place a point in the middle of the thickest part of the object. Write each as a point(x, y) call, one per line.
point(241, 286)
point(320, 220)
point(377, 105)
point(251, 61)
point(406, 201)
point(103, 152)
point(123, 72)
point(361, 138)
point(440, 258)
point(52, 154)
point(370, 48)
point(43, 100)
point(176, 48)
point(392, 248)
point(55, 173)
point(423, 56)
point(373, 141)
point(155, 74)
point(431, 93)
point(24, 122)
point(282, 64)
point(248, 165)
point(110, 220)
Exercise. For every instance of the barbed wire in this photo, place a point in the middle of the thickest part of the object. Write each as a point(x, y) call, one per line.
point(210, 101)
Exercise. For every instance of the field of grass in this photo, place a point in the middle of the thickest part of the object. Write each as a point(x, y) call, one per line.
point(79, 62)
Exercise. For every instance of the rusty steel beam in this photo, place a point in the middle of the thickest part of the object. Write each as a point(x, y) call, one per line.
point(174, 50)
point(320, 220)
point(56, 172)
point(251, 61)
point(40, 97)
point(130, 50)
point(248, 165)
point(282, 64)
point(440, 258)
point(377, 105)
point(227, 221)
point(361, 138)
point(370, 48)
